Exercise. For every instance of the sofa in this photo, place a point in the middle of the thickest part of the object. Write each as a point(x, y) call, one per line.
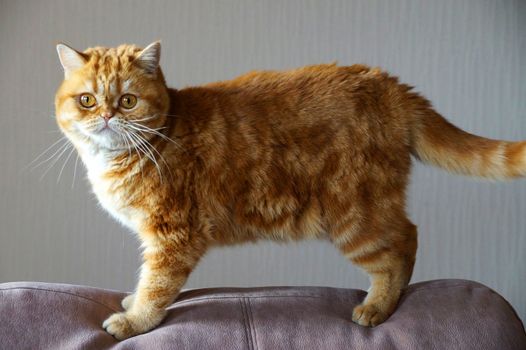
point(440, 314)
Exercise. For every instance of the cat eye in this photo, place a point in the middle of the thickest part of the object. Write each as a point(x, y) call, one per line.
point(87, 100)
point(128, 101)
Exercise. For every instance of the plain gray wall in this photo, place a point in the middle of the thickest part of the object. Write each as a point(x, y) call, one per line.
point(468, 57)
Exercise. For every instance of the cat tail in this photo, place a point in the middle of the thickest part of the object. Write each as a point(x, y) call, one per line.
point(438, 142)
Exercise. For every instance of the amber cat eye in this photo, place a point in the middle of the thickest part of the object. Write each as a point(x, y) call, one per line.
point(128, 101)
point(87, 100)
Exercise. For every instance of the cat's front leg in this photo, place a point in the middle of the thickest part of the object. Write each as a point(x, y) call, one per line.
point(165, 268)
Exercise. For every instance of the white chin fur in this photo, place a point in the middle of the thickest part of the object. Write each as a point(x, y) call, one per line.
point(104, 139)
point(108, 139)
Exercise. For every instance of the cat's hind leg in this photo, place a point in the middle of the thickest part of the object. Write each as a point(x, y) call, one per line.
point(387, 254)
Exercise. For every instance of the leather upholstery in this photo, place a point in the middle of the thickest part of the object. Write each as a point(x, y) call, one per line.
point(442, 314)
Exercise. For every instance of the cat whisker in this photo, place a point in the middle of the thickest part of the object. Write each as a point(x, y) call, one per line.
point(143, 139)
point(146, 129)
point(142, 147)
point(134, 122)
point(75, 172)
point(62, 147)
point(127, 146)
point(145, 119)
point(147, 152)
point(67, 146)
point(65, 162)
point(143, 126)
point(126, 133)
point(63, 138)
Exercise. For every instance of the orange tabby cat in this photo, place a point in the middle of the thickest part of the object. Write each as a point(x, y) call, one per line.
point(317, 152)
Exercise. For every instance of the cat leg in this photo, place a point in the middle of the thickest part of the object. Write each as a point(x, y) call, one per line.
point(165, 269)
point(388, 259)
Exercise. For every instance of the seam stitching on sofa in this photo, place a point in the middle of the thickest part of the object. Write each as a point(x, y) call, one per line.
point(61, 292)
point(250, 324)
point(313, 295)
point(243, 311)
point(183, 302)
point(253, 324)
point(296, 295)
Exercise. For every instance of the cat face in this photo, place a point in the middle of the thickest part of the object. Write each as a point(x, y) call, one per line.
point(111, 97)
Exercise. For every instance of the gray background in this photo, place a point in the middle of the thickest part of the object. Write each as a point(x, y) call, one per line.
point(467, 56)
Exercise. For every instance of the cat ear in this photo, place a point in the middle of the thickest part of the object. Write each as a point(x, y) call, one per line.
point(70, 59)
point(149, 58)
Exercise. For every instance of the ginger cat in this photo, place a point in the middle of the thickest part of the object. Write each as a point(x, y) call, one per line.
point(316, 152)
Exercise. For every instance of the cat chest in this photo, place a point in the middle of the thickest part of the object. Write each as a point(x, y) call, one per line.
point(110, 191)
point(114, 199)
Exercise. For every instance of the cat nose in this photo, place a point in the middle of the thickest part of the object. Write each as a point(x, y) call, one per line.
point(107, 115)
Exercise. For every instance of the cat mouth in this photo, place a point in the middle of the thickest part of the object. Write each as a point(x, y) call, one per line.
point(106, 128)
point(106, 131)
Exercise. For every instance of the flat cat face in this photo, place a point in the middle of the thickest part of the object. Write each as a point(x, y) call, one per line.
point(110, 94)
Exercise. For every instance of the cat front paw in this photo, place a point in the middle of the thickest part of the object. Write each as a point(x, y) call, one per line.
point(121, 326)
point(369, 315)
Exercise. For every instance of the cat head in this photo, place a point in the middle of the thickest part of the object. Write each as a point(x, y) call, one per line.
point(110, 94)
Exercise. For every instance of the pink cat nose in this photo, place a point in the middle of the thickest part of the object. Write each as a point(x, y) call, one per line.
point(107, 115)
